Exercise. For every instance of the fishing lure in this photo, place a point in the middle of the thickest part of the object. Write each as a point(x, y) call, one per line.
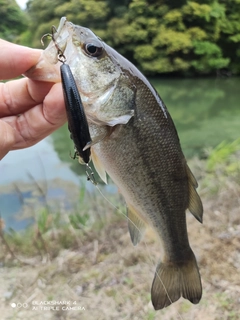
point(77, 121)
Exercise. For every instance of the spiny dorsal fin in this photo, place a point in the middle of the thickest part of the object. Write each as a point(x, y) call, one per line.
point(98, 166)
point(195, 204)
point(136, 225)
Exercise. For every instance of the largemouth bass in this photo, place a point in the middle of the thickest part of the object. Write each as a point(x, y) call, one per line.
point(135, 141)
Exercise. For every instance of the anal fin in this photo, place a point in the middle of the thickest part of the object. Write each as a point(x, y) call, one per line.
point(136, 225)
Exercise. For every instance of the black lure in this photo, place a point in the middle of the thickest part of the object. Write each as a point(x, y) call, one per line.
point(77, 121)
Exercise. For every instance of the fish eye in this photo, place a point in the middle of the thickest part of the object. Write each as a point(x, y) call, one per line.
point(93, 49)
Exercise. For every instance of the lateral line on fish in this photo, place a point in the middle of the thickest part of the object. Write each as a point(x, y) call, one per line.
point(146, 246)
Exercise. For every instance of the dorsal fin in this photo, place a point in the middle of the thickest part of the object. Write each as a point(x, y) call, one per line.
point(136, 225)
point(195, 204)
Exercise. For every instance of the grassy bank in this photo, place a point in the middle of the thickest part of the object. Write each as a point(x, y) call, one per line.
point(86, 257)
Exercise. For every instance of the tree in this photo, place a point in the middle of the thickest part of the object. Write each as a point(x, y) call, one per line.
point(230, 34)
point(169, 37)
point(159, 36)
point(43, 14)
point(13, 20)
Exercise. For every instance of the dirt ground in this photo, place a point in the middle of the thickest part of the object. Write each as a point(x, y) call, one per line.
point(106, 278)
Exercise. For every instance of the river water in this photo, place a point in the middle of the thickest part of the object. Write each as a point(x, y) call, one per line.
point(205, 112)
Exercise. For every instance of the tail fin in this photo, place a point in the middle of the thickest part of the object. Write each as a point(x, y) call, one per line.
point(173, 280)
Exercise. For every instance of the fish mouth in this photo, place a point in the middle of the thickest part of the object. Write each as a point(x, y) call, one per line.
point(48, 66)
point(60, 38)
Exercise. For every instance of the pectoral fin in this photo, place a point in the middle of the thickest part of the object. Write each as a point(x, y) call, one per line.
point(123, 119)
point(95, 141)
point(136, 225)
point(195, 204)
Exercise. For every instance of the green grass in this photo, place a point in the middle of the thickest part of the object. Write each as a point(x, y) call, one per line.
point(55, 230)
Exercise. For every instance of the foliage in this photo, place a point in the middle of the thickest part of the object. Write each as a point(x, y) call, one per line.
point(13, 20)
point(226, 157)
point(184, 40)
point(52, 229)
point(159, 36)
point(222, 167)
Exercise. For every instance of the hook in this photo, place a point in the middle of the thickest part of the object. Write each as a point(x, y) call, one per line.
point(90, 174)
point(61, 56)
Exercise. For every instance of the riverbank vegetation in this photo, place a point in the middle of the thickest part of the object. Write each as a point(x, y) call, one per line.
point(88, 253)
point(161, 37)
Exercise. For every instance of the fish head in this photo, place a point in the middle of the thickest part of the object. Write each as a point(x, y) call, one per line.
point(101, 74)
point(93, 63)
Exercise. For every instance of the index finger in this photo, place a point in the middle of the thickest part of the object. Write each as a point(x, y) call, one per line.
point(16, 59)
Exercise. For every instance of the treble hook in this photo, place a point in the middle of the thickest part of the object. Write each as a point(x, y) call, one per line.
point(90, 174)
point(61, 56)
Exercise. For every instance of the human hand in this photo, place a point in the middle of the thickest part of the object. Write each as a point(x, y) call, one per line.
point(29, 110)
